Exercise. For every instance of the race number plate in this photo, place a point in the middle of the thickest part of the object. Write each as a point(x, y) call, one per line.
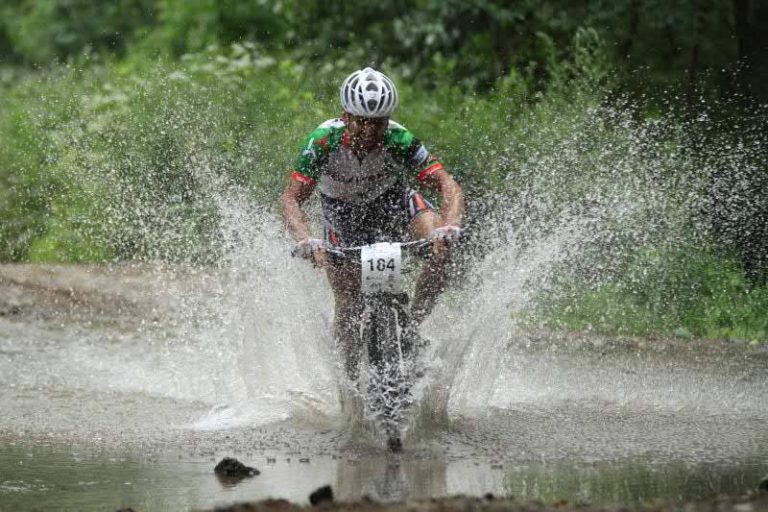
point(381, 268)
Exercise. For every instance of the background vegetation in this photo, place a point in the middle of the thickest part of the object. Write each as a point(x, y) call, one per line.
point(126, 124)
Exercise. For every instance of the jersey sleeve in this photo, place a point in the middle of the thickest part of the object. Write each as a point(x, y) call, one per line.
point(410, 152)
point(313, 155)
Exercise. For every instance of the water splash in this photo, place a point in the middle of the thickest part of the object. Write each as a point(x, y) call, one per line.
point(595, 194)
point(580, 197)
point(274, 326)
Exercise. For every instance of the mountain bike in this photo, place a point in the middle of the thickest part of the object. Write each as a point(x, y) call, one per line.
point(388, 338)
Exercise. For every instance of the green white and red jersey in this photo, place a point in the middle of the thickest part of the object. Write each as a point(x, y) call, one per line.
point(327, 159)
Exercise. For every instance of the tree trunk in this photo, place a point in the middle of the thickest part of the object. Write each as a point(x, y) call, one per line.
point(634, 22)
point(751, 18)
point(697, 14)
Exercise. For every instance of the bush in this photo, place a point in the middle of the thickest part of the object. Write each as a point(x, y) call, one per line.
point(683, 292)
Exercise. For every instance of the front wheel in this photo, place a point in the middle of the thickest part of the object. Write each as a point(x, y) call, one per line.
point(384, 322)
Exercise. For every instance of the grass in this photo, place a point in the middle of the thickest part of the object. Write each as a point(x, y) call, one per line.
point(682, 293)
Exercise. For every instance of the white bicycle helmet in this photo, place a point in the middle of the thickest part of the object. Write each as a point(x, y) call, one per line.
point(368, 93)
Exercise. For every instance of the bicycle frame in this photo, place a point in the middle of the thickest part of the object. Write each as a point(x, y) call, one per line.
point(384, 319)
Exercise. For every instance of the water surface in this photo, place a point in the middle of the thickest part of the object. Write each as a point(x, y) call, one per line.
point(124, 386)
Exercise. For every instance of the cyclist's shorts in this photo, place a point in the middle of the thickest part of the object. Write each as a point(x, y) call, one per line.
point(384, 219)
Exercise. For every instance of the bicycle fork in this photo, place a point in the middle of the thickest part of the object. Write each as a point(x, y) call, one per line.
point(384, 321)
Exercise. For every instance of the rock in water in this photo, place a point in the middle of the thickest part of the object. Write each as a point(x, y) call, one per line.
point(395, 445)
point(233, 468)
point(321, 495)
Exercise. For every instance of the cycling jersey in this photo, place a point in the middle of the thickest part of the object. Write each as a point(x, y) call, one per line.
point(383, 219)
point(327, 159)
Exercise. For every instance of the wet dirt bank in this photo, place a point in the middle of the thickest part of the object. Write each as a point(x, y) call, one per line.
point(111, 294)
point(105, 293)
point(747, 503)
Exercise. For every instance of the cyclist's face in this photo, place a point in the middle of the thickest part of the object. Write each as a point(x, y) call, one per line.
point(367, 132)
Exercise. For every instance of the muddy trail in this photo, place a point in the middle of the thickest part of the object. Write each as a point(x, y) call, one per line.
point(124, 385)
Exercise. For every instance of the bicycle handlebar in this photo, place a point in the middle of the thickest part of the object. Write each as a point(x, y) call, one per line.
point(414, 247)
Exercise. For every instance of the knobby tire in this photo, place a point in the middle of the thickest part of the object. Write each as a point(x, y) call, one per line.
point(388, 391)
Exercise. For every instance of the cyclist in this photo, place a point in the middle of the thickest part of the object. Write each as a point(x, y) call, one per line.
point(364, 165)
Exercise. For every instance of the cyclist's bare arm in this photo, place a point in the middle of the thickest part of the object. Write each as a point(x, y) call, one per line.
point(295, 193)
point(451, 198)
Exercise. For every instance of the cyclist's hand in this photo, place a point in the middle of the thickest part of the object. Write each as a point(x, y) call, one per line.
point(448, 233)
point(312, 248)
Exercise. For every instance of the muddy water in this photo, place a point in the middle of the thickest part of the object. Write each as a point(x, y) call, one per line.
point(124, 386)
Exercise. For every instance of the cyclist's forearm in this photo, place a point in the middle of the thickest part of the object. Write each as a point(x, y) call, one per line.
point(451, 196)
point(451, 203)
point(295, 219)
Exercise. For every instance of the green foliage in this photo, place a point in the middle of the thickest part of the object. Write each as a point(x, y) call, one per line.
point(680, 291)
point(43, 30)
point(125, 160)
point(470, 43)
point(24, 187)
point(128, 160)
point(191, 26)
